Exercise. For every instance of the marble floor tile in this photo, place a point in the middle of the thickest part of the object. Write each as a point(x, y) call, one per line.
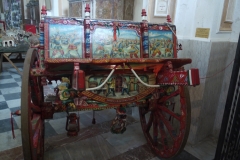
point(5, 125)
point(49, 130)
point(18, 79)
point(98, 117)
point(5, 114)
point(59, 115)
point(12, 96)
point(135, 113)
point(7, 141)
point(3, 105)
point(4, 81)
point(155, 158)
point(17, 120)
point(131, 138)
point(4, 73)
point(15, 75)
point(85, 120)
point(14, 71)
point(5, 77)
point(14, 109)
point(8, 85)
point(95, 148)
point(11, 90)
point(19, 84)
point(142, 152)
point(2, 98)
point(59, 125)
point(107, 113)
point(204, 150)
point(14, 103)
point(15, 153)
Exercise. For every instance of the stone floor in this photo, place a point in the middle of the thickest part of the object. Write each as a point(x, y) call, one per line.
point(94, 142)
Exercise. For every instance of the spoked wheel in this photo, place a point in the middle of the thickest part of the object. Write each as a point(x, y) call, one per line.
point(166, 120)
point(32, 125)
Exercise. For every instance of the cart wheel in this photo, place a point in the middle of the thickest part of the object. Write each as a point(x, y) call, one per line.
point(32, 125)
point(166, 120)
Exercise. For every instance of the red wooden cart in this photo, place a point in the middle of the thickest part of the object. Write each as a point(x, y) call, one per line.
point(105, 64)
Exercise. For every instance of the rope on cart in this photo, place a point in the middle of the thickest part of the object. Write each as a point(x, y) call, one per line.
point(98, 87)
point(145, 84)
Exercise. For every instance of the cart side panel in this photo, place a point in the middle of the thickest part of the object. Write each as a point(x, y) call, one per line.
point(72, 40)
point(115, 39)
point(63, 38)
point(162, 41)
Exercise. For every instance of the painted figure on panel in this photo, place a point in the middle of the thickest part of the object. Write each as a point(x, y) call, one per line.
point(65, 41)
point(103, 89)
point(127, 44)
point(119, 86)
point(125, 87)
point(111, 88)
point(160, 43)
point(133, 51)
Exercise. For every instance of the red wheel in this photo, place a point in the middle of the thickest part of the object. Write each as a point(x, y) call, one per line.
point(166, 120)
point(32, 125)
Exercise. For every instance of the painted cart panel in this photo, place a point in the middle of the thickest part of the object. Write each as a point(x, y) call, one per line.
point(63, 38)
point(69, 39)
point(161, 41)
point(127, 44)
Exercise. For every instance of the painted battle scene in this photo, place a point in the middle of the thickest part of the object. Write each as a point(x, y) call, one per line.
point(65, 41)
point(119, 86)
point(127, 44)
point(160, 44)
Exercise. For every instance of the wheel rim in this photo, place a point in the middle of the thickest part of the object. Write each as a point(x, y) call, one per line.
point(166, 119)
point(32, 125)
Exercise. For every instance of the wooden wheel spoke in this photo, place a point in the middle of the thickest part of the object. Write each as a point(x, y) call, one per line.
point(155, 131)
point(150, 122)
point(35, 108)
point(173, 94)
point(163, 134)
point(36, 122)
point(144, 111)
point(171, 113)
point(167, 124)
point(36, 129)
point(36, 138)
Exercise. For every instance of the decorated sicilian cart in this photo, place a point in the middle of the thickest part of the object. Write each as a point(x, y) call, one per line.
point(104, 64)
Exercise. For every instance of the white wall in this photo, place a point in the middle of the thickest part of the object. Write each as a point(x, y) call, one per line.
point(184, 18)
point(236, 23)
point(192, 14)
point(54, 11)
point(217, 35)
point(138, 6)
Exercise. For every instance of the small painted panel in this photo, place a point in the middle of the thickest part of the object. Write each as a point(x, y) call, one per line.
point(161, 44)
point(127, 44)
point(120, 86)
point(65, 41)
